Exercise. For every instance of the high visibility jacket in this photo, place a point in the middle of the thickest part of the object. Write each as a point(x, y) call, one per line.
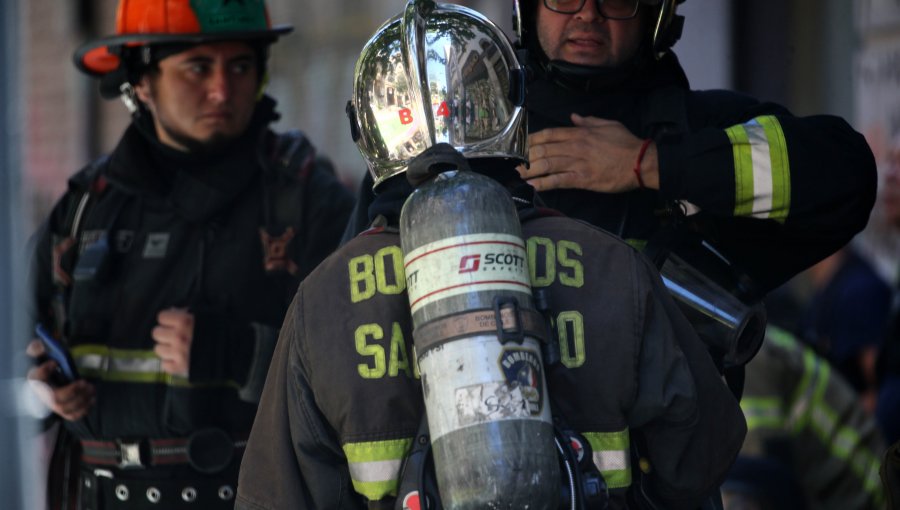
point(343, 401)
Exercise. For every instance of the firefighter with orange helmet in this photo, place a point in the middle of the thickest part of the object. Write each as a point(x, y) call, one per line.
point(166, 268)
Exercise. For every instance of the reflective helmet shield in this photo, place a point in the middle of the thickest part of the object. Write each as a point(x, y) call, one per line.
point(439, 73)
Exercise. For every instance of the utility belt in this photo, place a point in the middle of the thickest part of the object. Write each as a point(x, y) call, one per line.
point(100, 491)
point(199, 471)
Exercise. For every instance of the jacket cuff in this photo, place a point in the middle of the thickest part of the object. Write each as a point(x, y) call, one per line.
point(695, 168)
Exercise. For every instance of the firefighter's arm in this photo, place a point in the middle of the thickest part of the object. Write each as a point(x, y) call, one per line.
point(291, 460)
point(690, 427)
point(777, 192)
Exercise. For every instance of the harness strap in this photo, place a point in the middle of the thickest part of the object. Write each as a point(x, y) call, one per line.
point(478, 322)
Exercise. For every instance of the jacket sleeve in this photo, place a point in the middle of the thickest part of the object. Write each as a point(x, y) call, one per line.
point(292, 460)
point(777, 192)
point(688, 425)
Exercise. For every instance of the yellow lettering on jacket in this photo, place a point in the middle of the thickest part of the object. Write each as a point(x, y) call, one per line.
point(381, 272)
point(368, 339)
point(551, 261)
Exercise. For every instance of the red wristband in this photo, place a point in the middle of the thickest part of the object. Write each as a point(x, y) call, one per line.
point(637, 164)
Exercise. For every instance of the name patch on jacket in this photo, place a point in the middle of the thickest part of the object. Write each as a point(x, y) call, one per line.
point(156, 245)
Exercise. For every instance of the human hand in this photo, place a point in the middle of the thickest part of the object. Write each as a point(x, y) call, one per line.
point(71, 401)
point(173, 335)
point(596, 154)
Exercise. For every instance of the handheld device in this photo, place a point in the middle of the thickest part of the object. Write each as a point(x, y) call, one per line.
point(65, 372)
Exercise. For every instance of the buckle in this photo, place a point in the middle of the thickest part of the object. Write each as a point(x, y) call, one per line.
point(507, 307)
point(129, 454)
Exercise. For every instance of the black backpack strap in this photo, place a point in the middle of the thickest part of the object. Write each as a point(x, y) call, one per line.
point(288, 162)
point(87, 184)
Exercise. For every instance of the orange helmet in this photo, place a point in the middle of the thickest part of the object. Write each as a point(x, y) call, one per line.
point(146, 22)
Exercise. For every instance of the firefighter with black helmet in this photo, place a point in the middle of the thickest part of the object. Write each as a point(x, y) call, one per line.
point(166, 268)
point(631, 399)
point(620, 140)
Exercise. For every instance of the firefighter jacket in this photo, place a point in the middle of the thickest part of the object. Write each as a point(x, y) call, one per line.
point(343, 400)
point(227, 237)
point(803, 414)
point(773, 192)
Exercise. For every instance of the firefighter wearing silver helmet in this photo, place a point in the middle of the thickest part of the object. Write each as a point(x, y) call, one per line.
point(641, 410)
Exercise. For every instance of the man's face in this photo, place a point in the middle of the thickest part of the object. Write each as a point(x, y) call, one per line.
point(203, 97)
point(586, 38)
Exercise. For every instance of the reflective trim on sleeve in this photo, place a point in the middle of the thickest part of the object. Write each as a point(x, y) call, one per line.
point(375, 466)
point(762, 412)
point(612, 456)
point(130, 365)
point(761, 169)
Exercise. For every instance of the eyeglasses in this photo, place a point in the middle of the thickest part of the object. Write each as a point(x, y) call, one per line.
point(609, 9)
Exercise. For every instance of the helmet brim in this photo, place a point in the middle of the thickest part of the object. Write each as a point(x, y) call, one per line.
point(95, 57)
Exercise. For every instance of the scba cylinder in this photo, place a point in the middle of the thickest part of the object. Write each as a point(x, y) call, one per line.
point(484, 388)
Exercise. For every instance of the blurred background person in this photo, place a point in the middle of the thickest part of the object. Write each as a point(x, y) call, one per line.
point(804, 418)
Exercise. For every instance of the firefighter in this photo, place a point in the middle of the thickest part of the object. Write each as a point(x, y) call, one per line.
point(342, 410)
point(796, 406)
point(168, 265)
point(619, 139)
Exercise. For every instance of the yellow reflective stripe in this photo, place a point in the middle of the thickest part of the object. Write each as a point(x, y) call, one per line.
point(762, 412)
point(131, 365)
point(612, 456)
point(781, 168)
point(375, 466)
point(743, 170)
point(804, 394)
point(637, 244)
point(761, 169)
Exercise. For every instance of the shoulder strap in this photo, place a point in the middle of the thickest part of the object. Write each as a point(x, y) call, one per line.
point(90, 182)
point(287, 165)
point(286, 171)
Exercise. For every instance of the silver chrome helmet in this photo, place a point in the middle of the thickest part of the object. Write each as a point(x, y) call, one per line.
point(437, 73)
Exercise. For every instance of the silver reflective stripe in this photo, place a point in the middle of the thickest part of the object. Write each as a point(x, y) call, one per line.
point(91, 362)
point(137, 364)
point(375, 471)
point(762, 169)
point(612, 461)
point(612, 456)
point(375, 466)
point(129, 365)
